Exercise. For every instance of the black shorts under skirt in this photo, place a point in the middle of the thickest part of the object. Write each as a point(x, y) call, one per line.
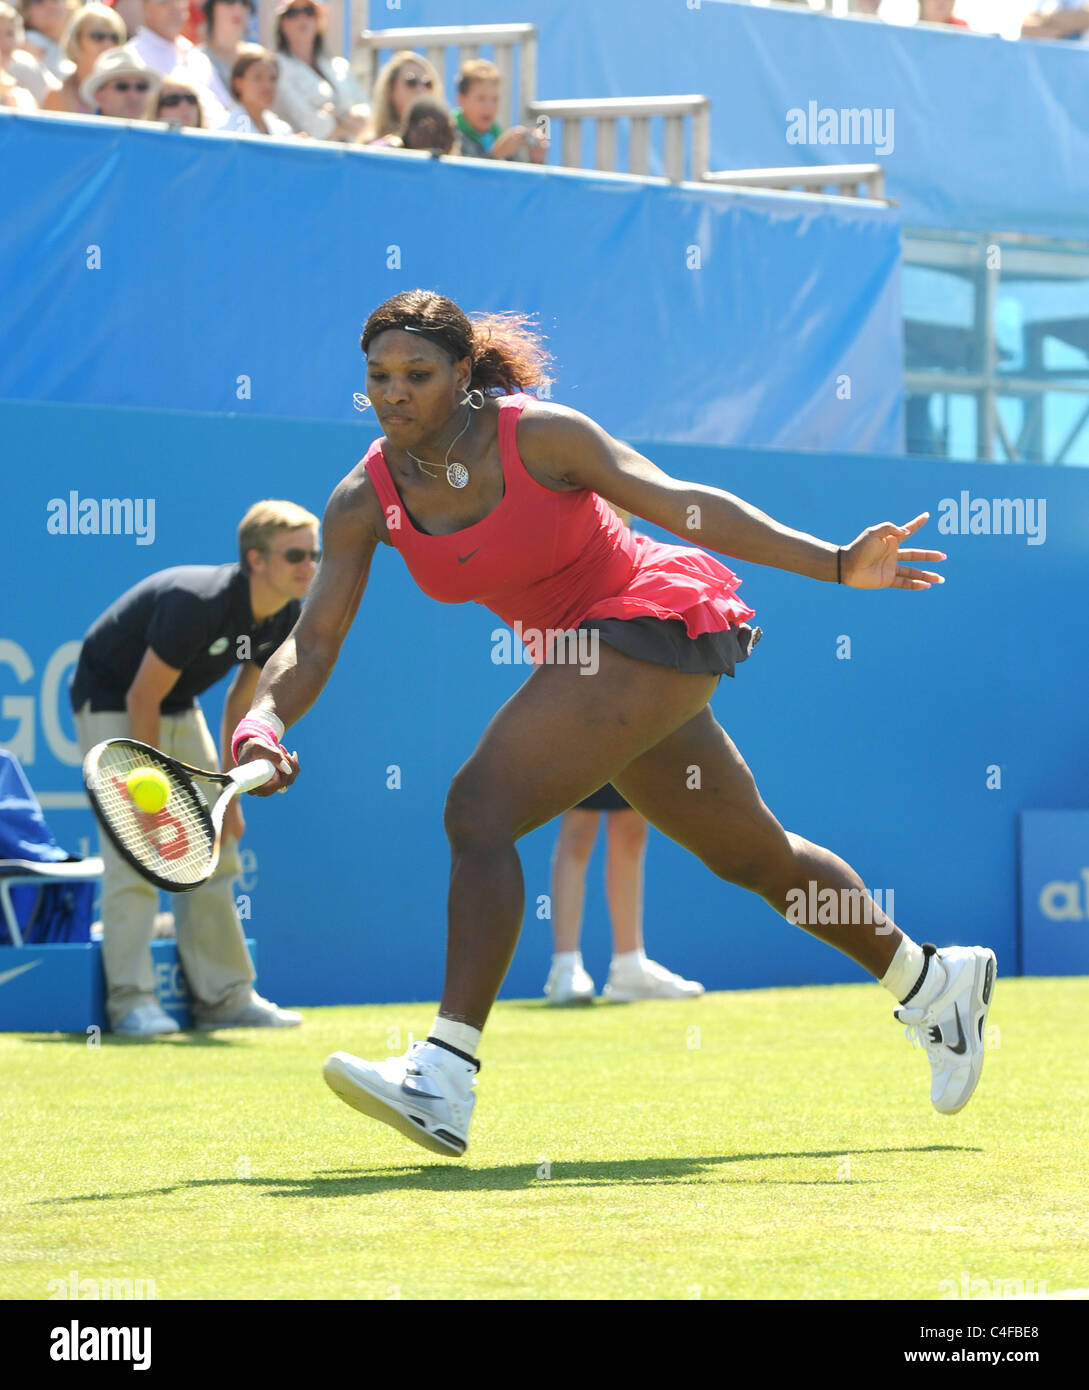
point(665, 642)
point(606, 798)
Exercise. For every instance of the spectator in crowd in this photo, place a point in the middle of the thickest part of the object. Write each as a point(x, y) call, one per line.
point(404, 79)
point(479, 134)
point(160, 44)
point(21, 75)
point(939, 12)
point(129, 12)
point(92, 30)
point(24, 70)
point(1057, 19)
point(121, 85)
point(253, 87)
point(317, 95)
point(178, 103)
point(142, 666)
point(46, 21)
point(865, 6)
point(428, 127)
point(226, 23)
point(13, 96)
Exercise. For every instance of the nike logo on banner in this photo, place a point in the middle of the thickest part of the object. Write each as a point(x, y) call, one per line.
point(463, 558)
point(19, 970)
point(962, 1044)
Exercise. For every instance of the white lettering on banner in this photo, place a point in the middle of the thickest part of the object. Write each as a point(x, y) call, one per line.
point(170, 983)
point(54, 698)
point(20, 707)
point(1059, 899)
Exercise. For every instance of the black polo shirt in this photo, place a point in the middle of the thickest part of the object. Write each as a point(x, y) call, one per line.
point(191, 617)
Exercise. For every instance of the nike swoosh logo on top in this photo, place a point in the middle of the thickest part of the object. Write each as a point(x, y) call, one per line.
point(463, 558)
point(962, 1044)
point(19, 970)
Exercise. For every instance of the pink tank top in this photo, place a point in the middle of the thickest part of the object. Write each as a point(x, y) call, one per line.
point(544, 560)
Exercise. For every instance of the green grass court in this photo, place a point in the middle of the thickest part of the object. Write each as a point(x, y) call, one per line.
point(765, 1144)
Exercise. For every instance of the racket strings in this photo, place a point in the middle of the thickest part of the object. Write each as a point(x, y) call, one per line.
point(177, 842)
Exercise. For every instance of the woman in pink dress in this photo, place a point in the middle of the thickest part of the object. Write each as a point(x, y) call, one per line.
point(495, 497)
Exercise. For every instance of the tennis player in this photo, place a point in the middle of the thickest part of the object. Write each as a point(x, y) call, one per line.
point(494, 496)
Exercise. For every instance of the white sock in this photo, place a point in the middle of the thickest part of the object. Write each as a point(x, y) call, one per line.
point(905, 970)
point(630, 960)
point(565, 958)
point(459, 1036)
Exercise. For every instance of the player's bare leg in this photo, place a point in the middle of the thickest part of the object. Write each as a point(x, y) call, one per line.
point(552, 744)
point(557, 740)
point(945, 995)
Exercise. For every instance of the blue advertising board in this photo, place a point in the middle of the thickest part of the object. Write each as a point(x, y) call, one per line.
point(1055, 892)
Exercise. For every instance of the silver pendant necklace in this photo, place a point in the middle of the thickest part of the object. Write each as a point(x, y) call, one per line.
point(457, 475)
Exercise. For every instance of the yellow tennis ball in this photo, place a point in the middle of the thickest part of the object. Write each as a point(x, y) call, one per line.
point(149, 789)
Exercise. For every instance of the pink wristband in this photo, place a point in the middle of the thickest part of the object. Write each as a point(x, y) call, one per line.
point(254, 728)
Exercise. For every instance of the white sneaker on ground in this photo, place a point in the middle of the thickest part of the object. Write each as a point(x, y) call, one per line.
point(647, 980)
point(950, 1027)
point(258, 1013)
point(568, 983)
point(427, 1094)
point(146, 1021)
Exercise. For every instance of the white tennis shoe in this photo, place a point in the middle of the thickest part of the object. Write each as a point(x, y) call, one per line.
point(146, 1021)
point(950, 1028)
point(568, 983)
point(427, 1094)
point(648, 980)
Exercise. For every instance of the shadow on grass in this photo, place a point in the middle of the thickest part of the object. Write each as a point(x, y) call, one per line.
point(183, 1039)
point(440, 1177)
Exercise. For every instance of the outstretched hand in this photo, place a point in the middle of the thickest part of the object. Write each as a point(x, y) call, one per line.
point(875, 561)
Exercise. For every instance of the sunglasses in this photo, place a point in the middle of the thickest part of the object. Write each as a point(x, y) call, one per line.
point(296, 555)
point(99, 36)
point(300, 12)
point(424, 82)
point(131, 86)
point(176, 99)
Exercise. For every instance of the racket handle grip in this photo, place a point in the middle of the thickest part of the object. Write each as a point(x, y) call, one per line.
point(251, 775)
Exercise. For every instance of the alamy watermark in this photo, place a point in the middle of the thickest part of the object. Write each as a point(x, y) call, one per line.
point(994, 516)
point(106, 516)
point(814, 906)
point(555, 646)
point(830, 125)
point(75, 1287)
point(965, 1286)
point(75, 1343)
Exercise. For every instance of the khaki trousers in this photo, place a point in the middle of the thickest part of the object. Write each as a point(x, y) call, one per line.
point(211, 946)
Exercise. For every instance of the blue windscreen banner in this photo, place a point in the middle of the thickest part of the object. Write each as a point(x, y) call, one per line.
point(975, 133)
point(1055, 892)
point(191, 271)
point(906, 731)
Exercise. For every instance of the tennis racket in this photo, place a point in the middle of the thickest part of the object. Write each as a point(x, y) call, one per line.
point(176, 848)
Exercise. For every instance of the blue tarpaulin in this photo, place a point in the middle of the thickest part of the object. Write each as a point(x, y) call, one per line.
point(988, 135)
point(197, 272)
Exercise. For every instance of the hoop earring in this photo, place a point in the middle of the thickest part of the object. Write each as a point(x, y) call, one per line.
point(360, 401)
point(467, 399)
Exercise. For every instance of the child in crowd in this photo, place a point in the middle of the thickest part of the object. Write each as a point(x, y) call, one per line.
point(479, 134)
